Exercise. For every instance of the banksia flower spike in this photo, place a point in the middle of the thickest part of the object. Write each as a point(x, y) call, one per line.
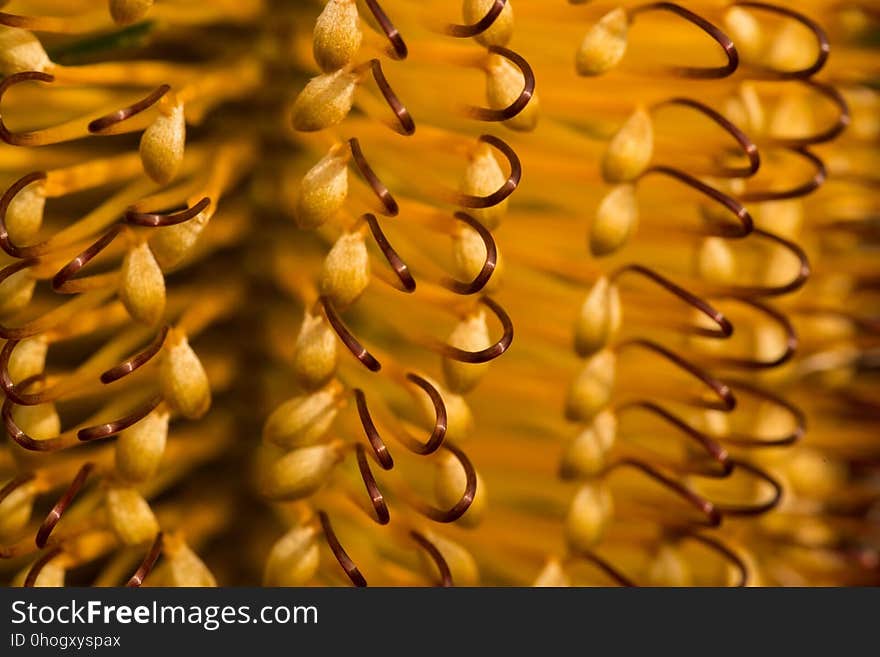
point(392, 293)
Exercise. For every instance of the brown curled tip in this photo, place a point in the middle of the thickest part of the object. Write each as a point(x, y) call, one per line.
point(777, 290)
point(22, 138)
point(138, 360)
point(700, 72)
point(72, 268)
point(5, 200)
point(397, 264)
point(726, 552)
point(719, 389)
point(351, 570)
point(436, 557)
point(482, 278)
point(12, 391)
point(404, 118)
point(351, 343)
point(380, 450)
point(15, 432)
point(606, 567)
point(715, 450)
point(438, 433)
point(509, 186)
point(147, 564)
point(62, 504)
point(30, 579)
point(489, 353)
point(725, 328)
point(746, 223)
point(800, 191)
point(14, 484)
point(518, 105)
point(791, 340)
point(800, 419)
point(757, 508)
point(399, 47)
point(112, 428)
point(380, 508)
point(466, 499)
point(749, 148)
point(126, 113)
point(844, 118)
point(824, 45)
point(379, 188)
point(466, 31)
point(705, 507)
point(156, 219)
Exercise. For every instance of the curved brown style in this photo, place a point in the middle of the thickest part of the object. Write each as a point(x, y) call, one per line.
point(351, 570)
point(379, 188)
point(726, 43)
point(777, 290)
point(518, 105)
point(15, 483)
point(108, 429)
point(147, 564)
point(126, 113)
point(351, 343)
point(804, 189)
point(52, 518)
point(482, 278)
point(791, 340)
point(13, 190)
point(397, 264)
point(72, 268)
point(509, 186)
point(380, 508)
point(397, 44)
point(467, 498)
point(759, 507)
point(380, 450)
point(21, 138)
point(30, 579)
point(724, 551)
point(138, 360)
point(404, 118)
point(436, 557)
point(844, 118)
point(489, 353)
point(156, 219)
point(466, 31)
point(799, 416)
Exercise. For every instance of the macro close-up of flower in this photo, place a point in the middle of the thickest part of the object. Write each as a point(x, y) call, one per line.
point(466, 293)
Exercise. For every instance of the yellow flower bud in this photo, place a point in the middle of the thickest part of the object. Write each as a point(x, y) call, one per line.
point(346, 272)
point(630, 150)
point(15, 510)
point(449, 484)
point(814, 475)
point(16, 291)
point(139, 448)
point(51, 575)
point(504, 84)
point(300, 472)
point(24, 216)
point(715, 261)
point(604, 45)
point(616, 219)
point(459, 419)
point(162, 145)
point(745, 30)
point(669, 569)
point(462, 565)
point(171, 244)
point(294, 559)
point(142, 289)
point(793, 118)
point(130, 516)
point(325, 101)
point(588, 516)
point(792, 49)
point(591, 390)
point(552, 576)
point(337, 35)
point(125, 12)
point(315, 354)
point(323, 190)
point(482, 177)
point(21, 51)
point(599, 318)
point(302, 420)
point(40, 422)
point(469, 255)
point(501, 31)
point(28, 358)
point(184, 567)
point(182, 377)
point(470, 334)
point(586, 455)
